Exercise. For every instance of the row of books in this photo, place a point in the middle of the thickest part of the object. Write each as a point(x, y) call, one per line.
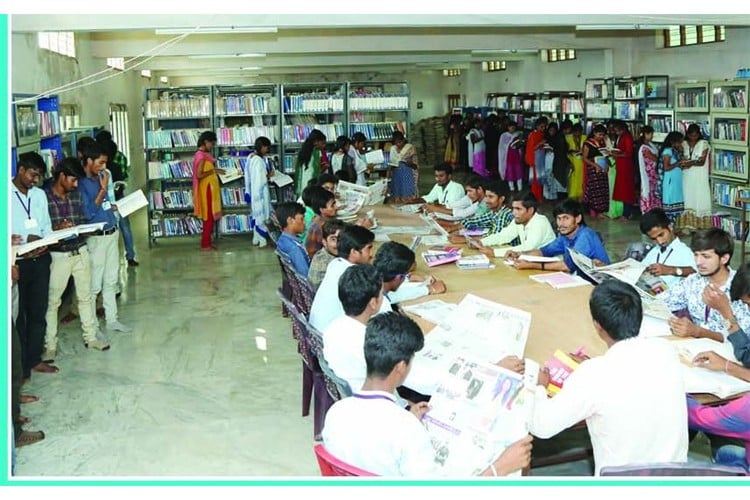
point(733, 226)
point(246, 104)
point(626, 110)
point(730, 99)
point(246, 135)
point(313, 103)
point(176, 169)
point(160, 200)
point(682, 126)
point(178, 138)
point(381, 131)
point(176, 226)
point(598, 110)
point(729, 194)
point(233, 196)
point(730, 130)
point(298, 133)
point(378, 103)
point(235, 223)
point(730, 161)
point(565, 105)
point(692, 99)
point(661, 124)
point(49, 123)
point(595, 90)
point(199, 106)
point(282, 194)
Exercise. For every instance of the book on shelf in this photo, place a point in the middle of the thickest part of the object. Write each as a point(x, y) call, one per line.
point(560, 279)
point(728, 99)
point(479, 261)
point(197, 106)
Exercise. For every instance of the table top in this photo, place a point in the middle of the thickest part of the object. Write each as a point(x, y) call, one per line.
point(560, 318)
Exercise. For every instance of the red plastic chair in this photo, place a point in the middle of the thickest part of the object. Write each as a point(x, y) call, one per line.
point(332, 466)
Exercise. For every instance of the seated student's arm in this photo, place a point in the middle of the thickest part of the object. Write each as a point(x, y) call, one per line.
point(741, 343)
point(568, 407)
point(684, 327)
point(435, 208)
point(433, 196)
point(556, 247)
point(730, 420)
point(299, 259)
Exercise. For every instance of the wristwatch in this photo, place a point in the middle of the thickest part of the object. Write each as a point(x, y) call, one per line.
point(678, 271)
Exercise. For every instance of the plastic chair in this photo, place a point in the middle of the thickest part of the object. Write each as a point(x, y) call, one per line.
point(332, 466)
point(337, 387)
point(286, 286)
point(673, 469)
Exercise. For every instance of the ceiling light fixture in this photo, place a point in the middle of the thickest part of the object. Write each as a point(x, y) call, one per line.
point(226, 56)
point(505, 51)
point(228, 30)
point(621, 27)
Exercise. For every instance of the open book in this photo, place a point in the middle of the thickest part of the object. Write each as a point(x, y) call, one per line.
point(232, 172)
point(131, 203)
point(280, 179)
point(57, 236)
point(477, 411)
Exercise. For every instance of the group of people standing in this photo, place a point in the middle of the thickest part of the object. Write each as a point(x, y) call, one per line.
point(610, 172)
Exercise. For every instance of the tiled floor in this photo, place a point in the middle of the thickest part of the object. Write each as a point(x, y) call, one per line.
point(208, 384)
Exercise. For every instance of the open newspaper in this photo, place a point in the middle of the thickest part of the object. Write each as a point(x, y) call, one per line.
point(702, 380)
point(476, 328)
point(57, 236)
point(352, 197)
point(477, 411)
point(630, 271)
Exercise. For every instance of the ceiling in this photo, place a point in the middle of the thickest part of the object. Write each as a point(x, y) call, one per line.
point(308, 44)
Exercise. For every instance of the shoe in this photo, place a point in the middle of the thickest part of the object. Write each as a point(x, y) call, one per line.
point(28, 398)
point(45, 368)
point(49, 356)
point(116, 326)
point(96, 344)
point(28, 437)
point(133, 263)
point(99, 312)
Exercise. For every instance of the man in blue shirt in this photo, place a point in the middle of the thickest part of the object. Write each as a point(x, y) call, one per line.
point(574, 233)
point(291, 217)
point(103, 245)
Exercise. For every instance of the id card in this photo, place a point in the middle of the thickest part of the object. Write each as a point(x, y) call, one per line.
point(30, 223)
point(106, 205)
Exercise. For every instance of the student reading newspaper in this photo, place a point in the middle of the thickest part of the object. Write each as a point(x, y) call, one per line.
point(634, 415)
point(670, 258)
point(394, 441)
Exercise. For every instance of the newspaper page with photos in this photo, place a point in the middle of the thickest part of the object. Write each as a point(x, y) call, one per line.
point(352, 197)
point(477, 411)
point(478, 328)
point(630, 271)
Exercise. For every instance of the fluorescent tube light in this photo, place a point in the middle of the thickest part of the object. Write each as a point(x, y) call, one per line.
point(504, 51)
point(225, 56)
point(621, 27)
point(228, 30)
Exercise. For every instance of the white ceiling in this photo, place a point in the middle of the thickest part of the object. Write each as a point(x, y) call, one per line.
point(305, 44)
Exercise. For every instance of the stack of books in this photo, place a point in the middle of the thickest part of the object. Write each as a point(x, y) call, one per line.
point(479, 261)
point(437, 256)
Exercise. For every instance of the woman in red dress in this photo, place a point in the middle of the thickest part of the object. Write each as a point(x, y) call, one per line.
point(624, 189)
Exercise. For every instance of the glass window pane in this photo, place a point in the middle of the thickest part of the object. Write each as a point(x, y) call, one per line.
point(708, 34)
point(571, 54)
point(674, 36)
point(722, 33)
point(691, 35)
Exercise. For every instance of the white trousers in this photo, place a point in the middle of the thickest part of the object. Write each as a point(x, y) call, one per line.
point(64, 266)
point(105, 266)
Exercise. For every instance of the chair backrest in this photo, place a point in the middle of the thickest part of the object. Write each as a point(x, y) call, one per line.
point(337, 387)
point(297, 325)
point(304, 290)
point(673, 469)
point(332, 466)
point(274, 228)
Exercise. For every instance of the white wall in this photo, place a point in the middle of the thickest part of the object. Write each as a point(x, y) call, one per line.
point(35, 71)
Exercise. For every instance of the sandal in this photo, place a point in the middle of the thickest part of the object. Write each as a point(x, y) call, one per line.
point(28, 398)
point(23, 420)
point(45, 368)
point(28, 437)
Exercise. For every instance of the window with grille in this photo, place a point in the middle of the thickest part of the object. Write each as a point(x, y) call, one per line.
point(61, 42)
point(556, 55)
point(679, 36)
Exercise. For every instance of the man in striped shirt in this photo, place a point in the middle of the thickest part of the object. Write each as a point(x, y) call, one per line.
point(497, 216)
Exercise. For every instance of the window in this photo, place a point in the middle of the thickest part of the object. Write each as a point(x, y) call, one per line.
point(678, 36)
point(146, 73)
point(116, 63)
point(451, 72)
point(493, 66)
point(61, 42)
point(555, 55)
point(164, 79)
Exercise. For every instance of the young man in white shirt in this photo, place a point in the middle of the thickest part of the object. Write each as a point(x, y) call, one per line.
point(632, 397)
point(471, 203)
point(446, 191)
point(530, 227)
point(713, 250)
point(371, 431)
point(354, 247)
point(30, 221)
point(360, 292)
point(670, 258)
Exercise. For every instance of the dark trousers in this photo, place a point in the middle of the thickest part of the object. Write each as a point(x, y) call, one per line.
point(33, 292)
point(16, 377)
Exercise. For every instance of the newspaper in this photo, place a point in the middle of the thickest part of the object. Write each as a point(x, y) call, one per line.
point(434, 311)
point(352, 197)
point(478, 328)
point(630, 271)
point(131, 203)
point(477, 411)
point(57, 236)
